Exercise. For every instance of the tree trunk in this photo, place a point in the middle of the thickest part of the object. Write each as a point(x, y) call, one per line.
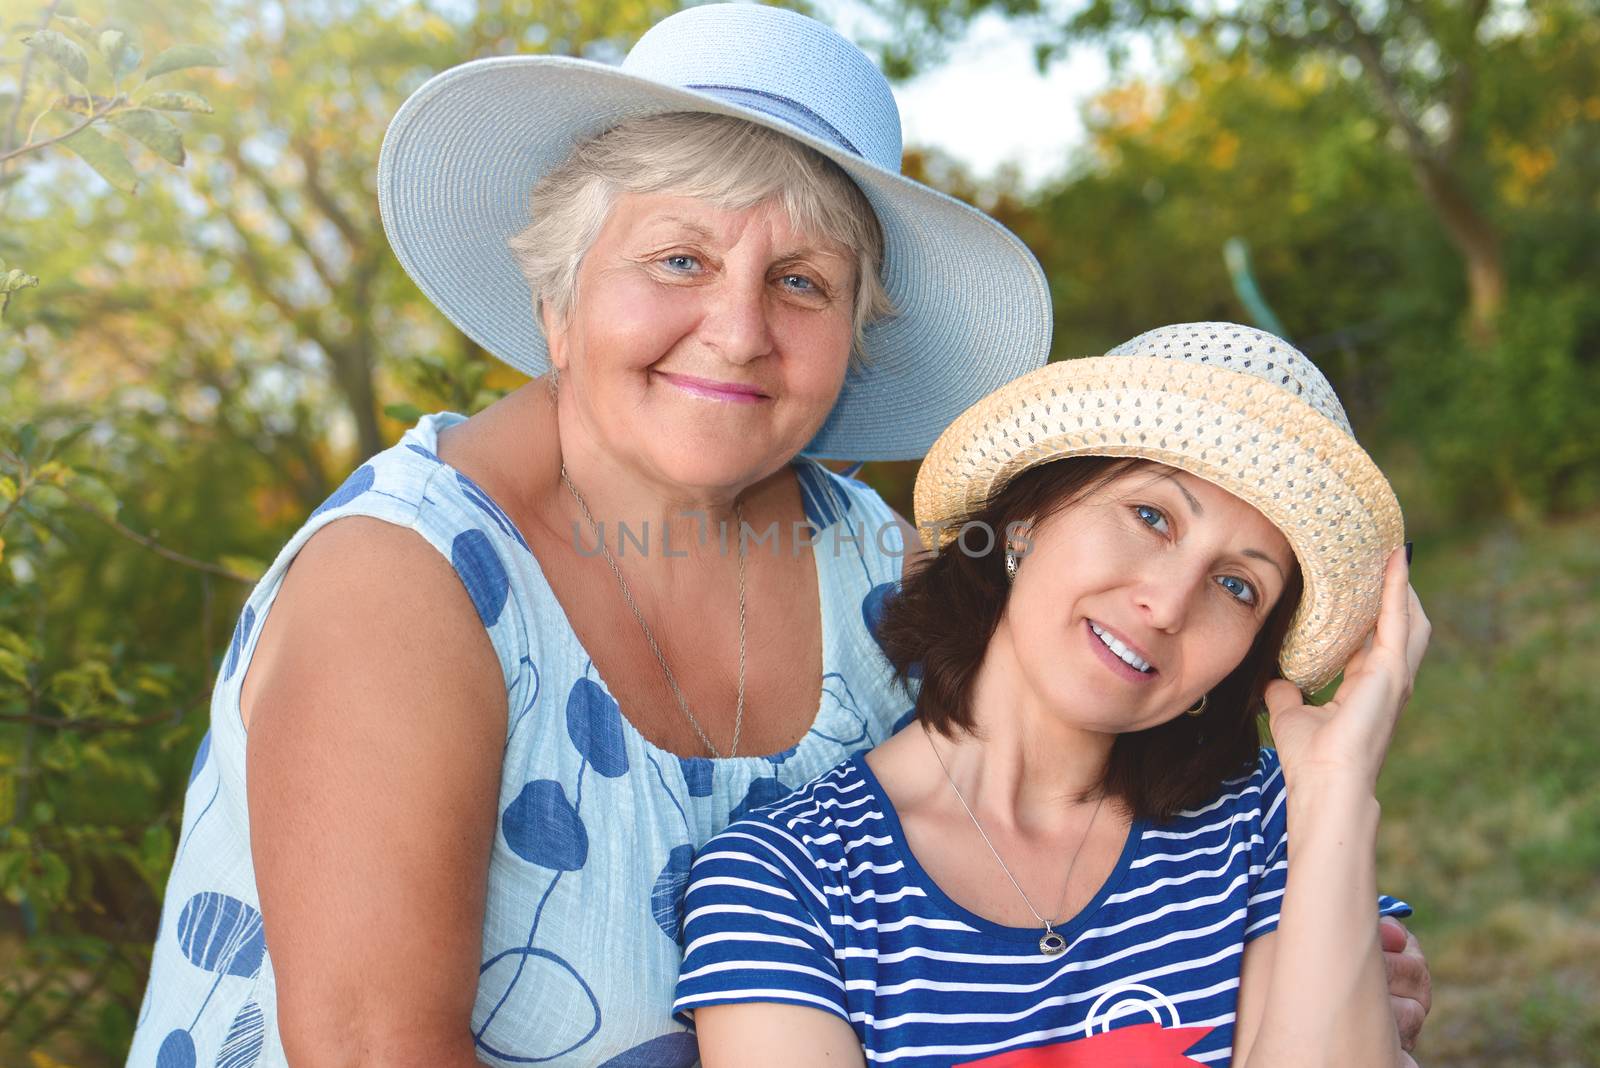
point(1475, 239)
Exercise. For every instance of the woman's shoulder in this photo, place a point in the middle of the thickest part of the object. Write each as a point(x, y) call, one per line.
point(1252, 795)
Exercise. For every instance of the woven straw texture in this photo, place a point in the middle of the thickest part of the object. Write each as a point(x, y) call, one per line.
point(1272, 433)
point(464, 151)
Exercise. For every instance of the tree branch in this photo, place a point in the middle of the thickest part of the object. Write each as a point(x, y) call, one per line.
point(22, 79)
point(325, 201)
point(154, 546)
point(34, 146)
point(297, 234)
point(1461, 84)
point(1367, 52)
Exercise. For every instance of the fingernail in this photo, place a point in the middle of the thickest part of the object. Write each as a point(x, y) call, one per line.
point(1409, 544)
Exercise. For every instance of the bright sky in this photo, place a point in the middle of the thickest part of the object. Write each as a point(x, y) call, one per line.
point(989, 105)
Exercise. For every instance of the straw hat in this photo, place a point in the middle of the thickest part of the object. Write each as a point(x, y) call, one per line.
point(466, 149)
point(1234, 405)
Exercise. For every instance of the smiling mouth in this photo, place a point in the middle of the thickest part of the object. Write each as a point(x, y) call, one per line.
point(1122, 652)
point(706, 387)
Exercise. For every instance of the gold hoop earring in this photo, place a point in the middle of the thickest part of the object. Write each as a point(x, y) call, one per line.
point(1199, 707)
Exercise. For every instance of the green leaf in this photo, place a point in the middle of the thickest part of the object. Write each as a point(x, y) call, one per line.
point(16, 278)
point(62, 51)
point(8, 797)
point(404, 413)
point(182, 57)
point(96, 494)
point(177, 101)
point(248, 566)
point(106, 157)
point(11, 281)
point(79, 27)
point(153, 130)
point(122, 55)
point(53, 878)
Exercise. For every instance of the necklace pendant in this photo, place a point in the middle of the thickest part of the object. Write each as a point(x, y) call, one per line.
point(1052, 944)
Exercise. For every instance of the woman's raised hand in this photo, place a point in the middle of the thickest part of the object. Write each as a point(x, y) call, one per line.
point(1348, 737)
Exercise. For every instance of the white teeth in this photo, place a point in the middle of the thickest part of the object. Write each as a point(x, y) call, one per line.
point(1128, 656)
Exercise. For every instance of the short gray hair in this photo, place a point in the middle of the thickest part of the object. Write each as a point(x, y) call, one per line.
point(731, 163)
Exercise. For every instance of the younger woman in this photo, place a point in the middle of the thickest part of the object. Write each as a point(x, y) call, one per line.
point(1082, 856)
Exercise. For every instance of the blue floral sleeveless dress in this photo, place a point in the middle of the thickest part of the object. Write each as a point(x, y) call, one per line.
point(597, 826)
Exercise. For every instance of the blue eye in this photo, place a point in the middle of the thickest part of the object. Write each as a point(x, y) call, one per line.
point(1151, 517)
point(681, 262)
point(1238, 588)
point(799, 283)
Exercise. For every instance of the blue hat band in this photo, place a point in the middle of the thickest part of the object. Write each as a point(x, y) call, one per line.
point(782, 108)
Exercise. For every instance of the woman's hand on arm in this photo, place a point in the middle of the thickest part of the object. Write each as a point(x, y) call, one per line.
point(376, 718)
point(1316, 991)
point(774, 1035)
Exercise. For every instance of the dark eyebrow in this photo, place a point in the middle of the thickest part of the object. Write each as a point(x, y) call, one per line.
point(1194, 504)
point(1257, 554)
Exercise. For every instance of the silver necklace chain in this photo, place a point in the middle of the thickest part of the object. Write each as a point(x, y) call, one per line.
point(1050, 943)
point(627, 595)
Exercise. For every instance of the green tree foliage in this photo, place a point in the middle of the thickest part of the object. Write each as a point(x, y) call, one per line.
point(1287, 148)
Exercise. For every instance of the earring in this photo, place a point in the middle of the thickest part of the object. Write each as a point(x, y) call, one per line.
point(1200, 706)
point(1011, 566)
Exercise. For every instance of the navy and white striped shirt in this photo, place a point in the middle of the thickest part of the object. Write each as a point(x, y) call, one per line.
point(817, 901)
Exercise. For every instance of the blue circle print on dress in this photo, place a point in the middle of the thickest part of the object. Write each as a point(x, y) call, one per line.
point(359, 482)
point(177, 1051)
point(221, 934)
point(545, 979)
point(543, 828)
point(697, 772)
point(666, 898)
point(761, 792)
point(481, 573)
point(241, 635)
point(246, 1036)
point(677, 1050)
point(200, 757)
point(594, 723)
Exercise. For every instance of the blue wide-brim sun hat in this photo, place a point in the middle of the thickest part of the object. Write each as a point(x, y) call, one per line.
point(463, 153)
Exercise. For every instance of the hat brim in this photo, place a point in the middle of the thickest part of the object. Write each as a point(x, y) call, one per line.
point(1297, 467)
point(463, 153)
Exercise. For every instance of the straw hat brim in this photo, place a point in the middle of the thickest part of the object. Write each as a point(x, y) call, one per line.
point(464, 151)
point(1301, 470)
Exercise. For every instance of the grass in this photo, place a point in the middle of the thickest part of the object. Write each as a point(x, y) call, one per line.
point(1491, 797)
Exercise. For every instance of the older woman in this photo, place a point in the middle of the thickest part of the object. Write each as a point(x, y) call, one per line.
point(481, 711)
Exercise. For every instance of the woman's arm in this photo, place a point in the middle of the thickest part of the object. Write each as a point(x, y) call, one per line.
point(1315, 991)
point(774, 1036)
point(376, 715)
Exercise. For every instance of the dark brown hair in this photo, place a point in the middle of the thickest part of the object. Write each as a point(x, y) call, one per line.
point(939, 625)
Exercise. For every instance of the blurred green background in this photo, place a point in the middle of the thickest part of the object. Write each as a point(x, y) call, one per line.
point(204, 331)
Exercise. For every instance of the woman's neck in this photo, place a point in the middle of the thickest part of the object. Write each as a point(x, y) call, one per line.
point(1022, 763)
point(653, 524)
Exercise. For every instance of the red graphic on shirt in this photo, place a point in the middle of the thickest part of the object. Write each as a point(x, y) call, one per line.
point(1146, 1045)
